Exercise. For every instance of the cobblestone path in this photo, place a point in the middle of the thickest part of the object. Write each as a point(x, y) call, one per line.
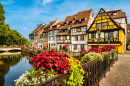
point(122, 75)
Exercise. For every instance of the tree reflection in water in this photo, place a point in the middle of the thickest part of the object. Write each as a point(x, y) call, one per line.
point(11, 61)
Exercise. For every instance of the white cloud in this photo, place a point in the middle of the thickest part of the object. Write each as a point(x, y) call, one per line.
point(25, 28)
point(46, 1)
point(7, 2)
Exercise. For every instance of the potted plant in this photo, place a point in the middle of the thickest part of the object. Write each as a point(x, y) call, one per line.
point(44, 48)
point(93, 39)
point(106, 39)
point(65, 48)
point(111, 39)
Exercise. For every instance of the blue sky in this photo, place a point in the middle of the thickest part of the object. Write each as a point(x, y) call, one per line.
point(24, 15)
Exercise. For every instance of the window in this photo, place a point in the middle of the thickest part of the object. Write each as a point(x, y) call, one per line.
point(89, 36)
point(64, 24)
point(78, 30)
point(102, 14)
point(128, 30)
point(70, 23)
point(82, 37)
point(114, 14)
point(110, 34)
point(82, 46)
point(65, 37)
point(115, 34)
point(75, 47)
point(99, 24)
point(83, 21)
point(106, 35)
point(76, 38)
point(49, 38)
point(105, 23)
point(94, 35)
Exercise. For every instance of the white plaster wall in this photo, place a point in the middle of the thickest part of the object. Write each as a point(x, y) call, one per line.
point(79, 48)
point(78, 42)
point(123, 25)
point(52, 35)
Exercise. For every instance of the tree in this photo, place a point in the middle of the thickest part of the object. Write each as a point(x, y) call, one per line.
point(9, 36)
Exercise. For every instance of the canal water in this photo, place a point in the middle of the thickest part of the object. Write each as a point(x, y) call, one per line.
point(12, 66)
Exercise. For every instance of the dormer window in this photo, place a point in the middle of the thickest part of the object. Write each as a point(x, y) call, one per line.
point(114, 14)
point(70, 23)
point(64, 24)
point(83, 21)
point(63, 31)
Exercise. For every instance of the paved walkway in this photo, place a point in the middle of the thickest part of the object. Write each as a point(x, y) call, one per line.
point(119, 74)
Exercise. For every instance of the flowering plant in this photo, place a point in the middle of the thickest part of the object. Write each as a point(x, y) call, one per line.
point(96, 50)
point(91, 56)
point(34, 77)
point(44, 48)
point(65, 48)
point(75, 74)
point(16, 45)
point(5, 46)
point(82, 53)
point(106, 39)
point(39, 50)
point(93, 39)
point(111, 39)
point(11, 46)
point(50, 60)
point(108, 48)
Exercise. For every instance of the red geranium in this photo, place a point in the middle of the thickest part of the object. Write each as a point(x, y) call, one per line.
point(65, 48)
point(108, 48)
point(49, 60)
point(83, 52)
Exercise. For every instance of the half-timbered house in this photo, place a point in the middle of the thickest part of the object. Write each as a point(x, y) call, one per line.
point(52, 31)
point(64, 33)
point(111, 33)
point(78, 30)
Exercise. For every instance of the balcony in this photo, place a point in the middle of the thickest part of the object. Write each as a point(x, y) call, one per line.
point(104, 41)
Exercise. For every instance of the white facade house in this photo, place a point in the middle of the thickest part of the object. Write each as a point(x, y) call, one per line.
point(79, 39)
point(78, 30)
point(121, 18)
point(52, 31)
point(52, 39)
point(40, 41)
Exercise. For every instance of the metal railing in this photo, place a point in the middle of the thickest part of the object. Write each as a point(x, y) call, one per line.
point(94, 71)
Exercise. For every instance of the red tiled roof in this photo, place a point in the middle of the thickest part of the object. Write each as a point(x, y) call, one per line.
point(120, 14)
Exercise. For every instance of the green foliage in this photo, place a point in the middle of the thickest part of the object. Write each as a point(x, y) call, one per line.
point(7, 35)
point(115, 54)
point(91, 56)
point(76, 73)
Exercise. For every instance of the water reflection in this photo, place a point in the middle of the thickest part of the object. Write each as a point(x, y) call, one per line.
point(14, 66)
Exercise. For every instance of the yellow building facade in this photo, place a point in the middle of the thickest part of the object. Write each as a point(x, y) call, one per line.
point(110, 32)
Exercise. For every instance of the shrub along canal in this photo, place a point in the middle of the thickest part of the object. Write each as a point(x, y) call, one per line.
point(12, 67)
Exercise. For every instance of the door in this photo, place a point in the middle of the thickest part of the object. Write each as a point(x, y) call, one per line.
point(60, 47)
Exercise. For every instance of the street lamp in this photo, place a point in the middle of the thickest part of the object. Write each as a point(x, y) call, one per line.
point(98, 32)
